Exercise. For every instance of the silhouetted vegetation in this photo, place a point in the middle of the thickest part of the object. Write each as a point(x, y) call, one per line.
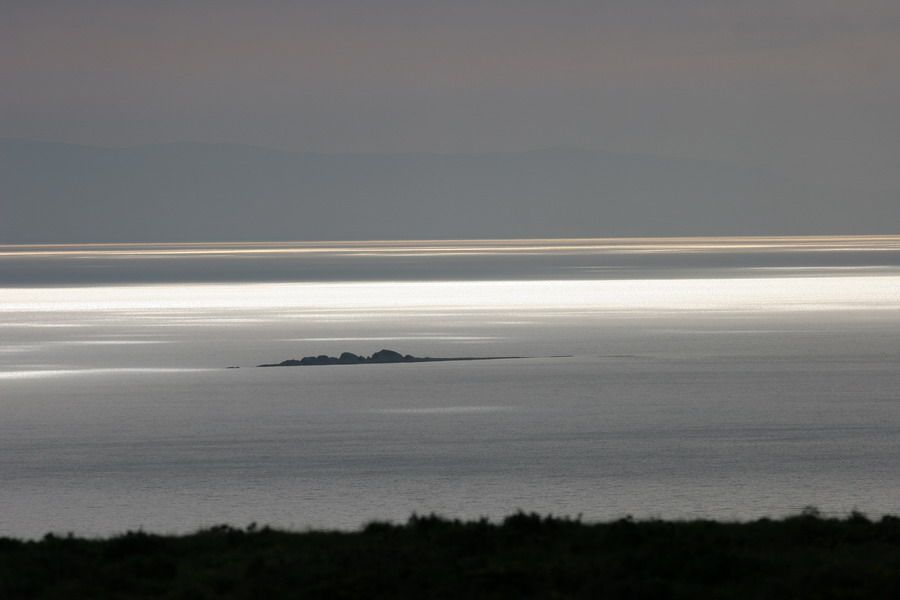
point(525, 556)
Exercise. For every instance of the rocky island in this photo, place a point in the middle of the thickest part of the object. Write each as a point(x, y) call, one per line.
point(381, 357)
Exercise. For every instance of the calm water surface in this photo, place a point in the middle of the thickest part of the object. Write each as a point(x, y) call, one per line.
point(713, 377)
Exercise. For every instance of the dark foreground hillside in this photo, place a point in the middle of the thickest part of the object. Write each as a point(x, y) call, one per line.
point(524, 557)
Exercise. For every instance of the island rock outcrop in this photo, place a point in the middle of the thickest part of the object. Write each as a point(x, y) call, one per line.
point(383, 356)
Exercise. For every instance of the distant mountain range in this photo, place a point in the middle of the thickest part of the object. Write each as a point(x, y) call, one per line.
point(53, 192)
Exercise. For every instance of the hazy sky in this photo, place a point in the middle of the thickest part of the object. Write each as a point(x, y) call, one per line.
point(810, 87)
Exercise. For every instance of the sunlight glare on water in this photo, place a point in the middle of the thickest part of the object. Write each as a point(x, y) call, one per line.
point(779, 294)
point(703, 377)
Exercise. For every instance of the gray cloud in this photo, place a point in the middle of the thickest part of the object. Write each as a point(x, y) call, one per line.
point(805, 87)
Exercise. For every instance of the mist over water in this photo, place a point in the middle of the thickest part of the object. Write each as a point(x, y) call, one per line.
point(705, 377)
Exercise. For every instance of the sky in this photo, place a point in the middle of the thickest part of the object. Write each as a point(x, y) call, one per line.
point(809, 88)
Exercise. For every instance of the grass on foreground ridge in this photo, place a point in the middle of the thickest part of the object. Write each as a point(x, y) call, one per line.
point(524, 556)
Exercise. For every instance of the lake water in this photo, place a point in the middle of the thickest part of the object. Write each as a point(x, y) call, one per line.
point(715, 377)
